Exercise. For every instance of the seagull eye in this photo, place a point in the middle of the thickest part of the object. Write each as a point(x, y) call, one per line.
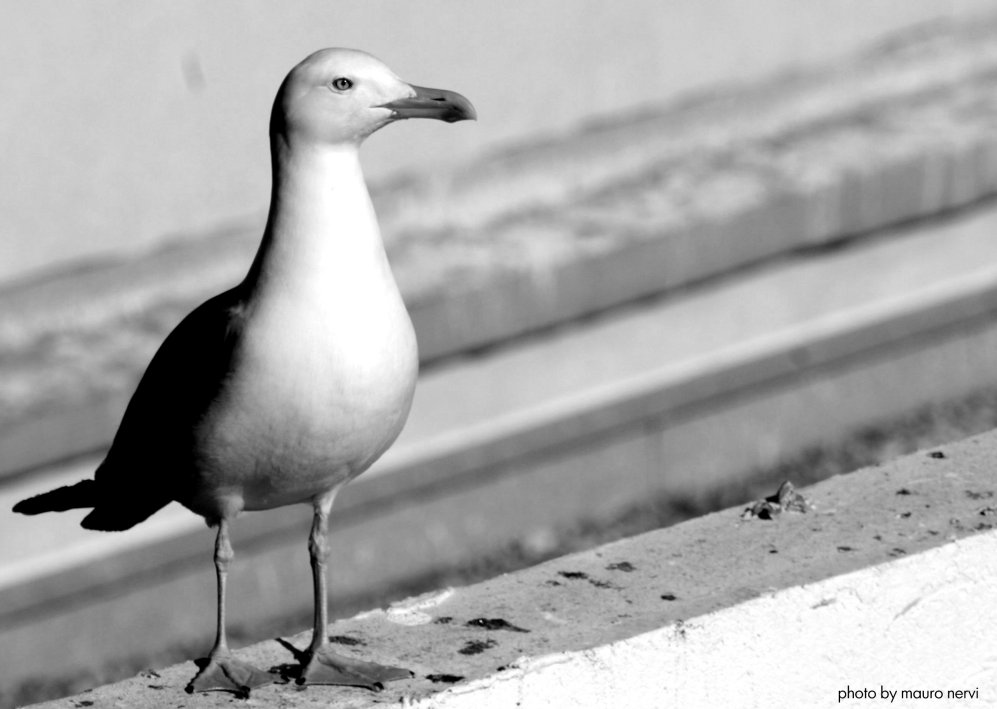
point(342, 84)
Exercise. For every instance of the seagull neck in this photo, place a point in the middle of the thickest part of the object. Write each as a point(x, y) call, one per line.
point(321, 228)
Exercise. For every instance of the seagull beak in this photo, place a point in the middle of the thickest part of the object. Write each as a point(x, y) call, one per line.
point(440, 104)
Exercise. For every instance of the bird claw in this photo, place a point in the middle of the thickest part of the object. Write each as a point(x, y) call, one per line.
point(326, 667)
point(224, 672)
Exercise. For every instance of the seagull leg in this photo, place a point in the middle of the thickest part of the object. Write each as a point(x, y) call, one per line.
point(222, 670)
point(324, 666)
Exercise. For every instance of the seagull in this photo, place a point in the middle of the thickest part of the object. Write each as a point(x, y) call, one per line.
point(289, 385)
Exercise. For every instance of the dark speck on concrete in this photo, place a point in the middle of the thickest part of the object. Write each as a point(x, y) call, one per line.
point(444, 678)
point(495, 624)
point(669, 597)
point(581, 576)
point(345, 640)
point(903, 491)
point(84, 703)
point(573, 574)
point(552, 582)
point(287, 671)
point(845, 548)
point(476, 647)
point(973, 495)
point(904, 515)
point(897, 551)
point(625, 566)
point(443, 620)
point(773, 551)
point(936, 454)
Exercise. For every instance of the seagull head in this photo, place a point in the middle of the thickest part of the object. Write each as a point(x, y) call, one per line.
point(340, 96)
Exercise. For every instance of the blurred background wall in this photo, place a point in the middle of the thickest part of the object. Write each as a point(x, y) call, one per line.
point(124, 124)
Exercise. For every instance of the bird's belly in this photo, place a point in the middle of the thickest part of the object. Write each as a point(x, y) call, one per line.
point(306, 414)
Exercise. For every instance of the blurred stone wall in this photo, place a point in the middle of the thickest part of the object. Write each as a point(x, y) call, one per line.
point(124, 125)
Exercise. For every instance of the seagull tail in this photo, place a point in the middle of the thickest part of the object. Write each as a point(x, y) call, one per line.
point(82, 494)
point(117, 518)
point(107, 516)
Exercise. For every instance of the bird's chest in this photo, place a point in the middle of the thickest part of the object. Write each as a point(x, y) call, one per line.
point(321, 391)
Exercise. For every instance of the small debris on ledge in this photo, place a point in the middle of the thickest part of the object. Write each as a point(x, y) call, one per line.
point(786, 499)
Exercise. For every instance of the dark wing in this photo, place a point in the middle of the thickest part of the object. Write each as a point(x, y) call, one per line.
point(150, 458)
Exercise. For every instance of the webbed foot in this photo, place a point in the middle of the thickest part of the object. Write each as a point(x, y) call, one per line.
point(224, 672)
point(326, 667)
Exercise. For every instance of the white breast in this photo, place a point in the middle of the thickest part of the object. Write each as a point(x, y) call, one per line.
point(325, 363)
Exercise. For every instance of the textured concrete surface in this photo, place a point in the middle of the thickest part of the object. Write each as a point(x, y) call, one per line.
point(559, 229)
point(886, 582)
point(808, 646)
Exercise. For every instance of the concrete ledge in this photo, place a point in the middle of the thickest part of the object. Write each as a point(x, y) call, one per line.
point(612, 214)
point(886, 583)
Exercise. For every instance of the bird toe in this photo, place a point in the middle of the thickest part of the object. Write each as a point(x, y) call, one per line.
point(223, 672)
point(326, 667)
